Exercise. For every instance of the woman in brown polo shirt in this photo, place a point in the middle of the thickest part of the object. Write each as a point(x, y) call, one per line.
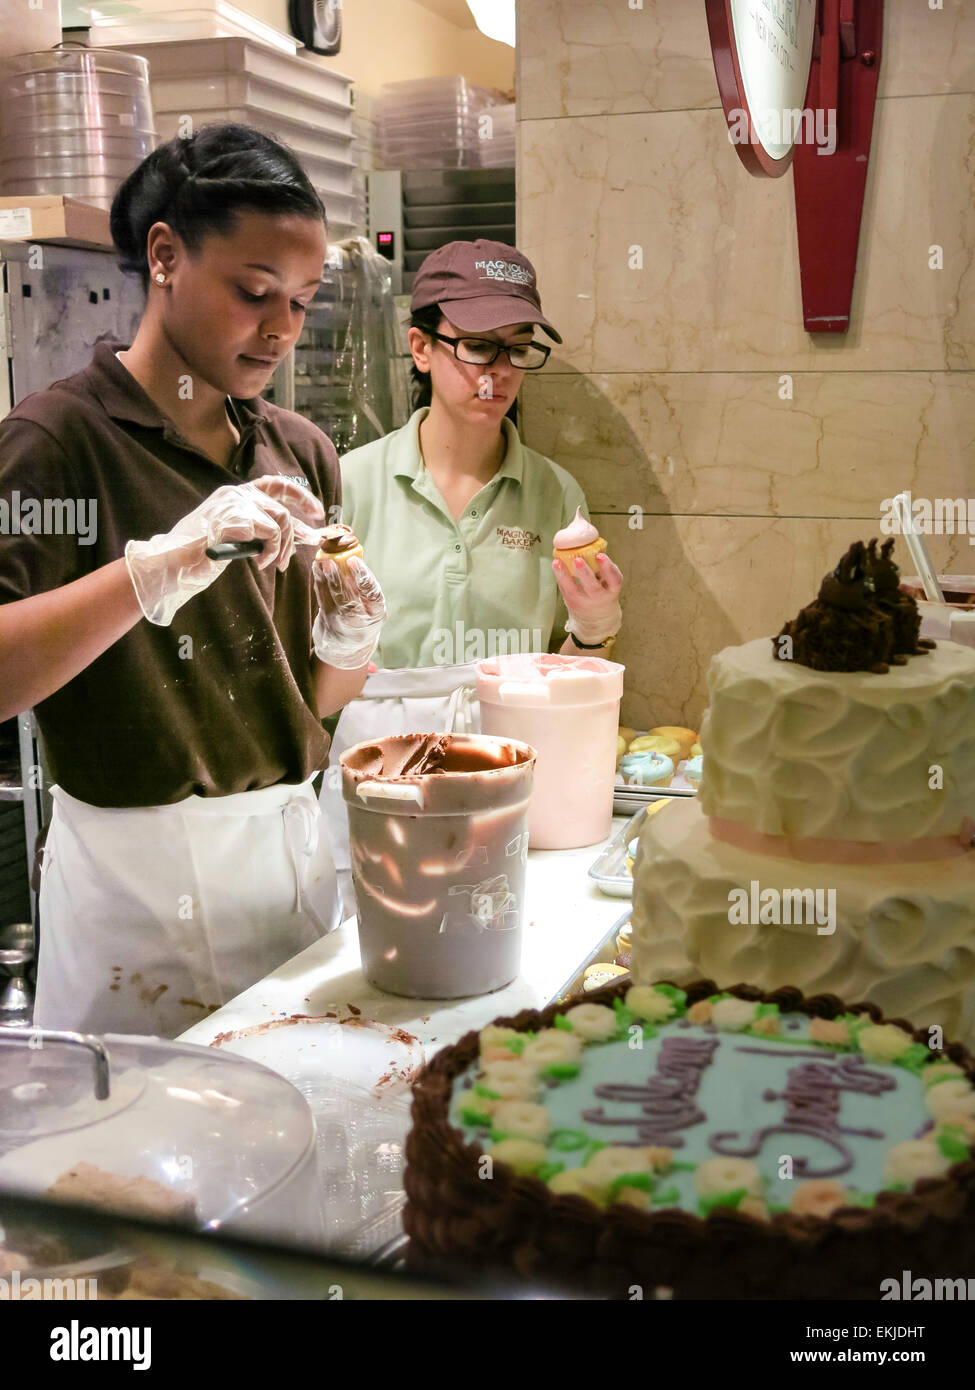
point(180, 697)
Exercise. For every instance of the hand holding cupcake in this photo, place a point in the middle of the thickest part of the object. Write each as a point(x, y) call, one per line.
point(589, 583)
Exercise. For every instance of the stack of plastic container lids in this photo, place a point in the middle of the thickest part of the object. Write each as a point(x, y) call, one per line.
point(498, 138)
point(433, 123)
point(155, 21)
point(365, 140)
point(75, 122)
point(304, 104)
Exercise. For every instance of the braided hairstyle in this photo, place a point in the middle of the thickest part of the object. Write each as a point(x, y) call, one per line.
point(197, 184)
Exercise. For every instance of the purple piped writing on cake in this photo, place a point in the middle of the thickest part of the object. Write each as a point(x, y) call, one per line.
point(812, 1096)
point(666, 1101)
point(774, 1052)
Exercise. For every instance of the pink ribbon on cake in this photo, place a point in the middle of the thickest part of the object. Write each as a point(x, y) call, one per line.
point(812, 849)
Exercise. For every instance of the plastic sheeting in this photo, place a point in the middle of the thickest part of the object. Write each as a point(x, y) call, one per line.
point(351, 375)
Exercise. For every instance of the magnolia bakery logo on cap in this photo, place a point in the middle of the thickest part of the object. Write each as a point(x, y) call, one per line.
point(505, 270)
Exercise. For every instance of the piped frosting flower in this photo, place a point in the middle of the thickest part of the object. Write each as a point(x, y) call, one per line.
point(514, 1080)
point(608, 1165)
point(650, 1004)
point(916, 1158)
point(700, 1012)
point(883, 1042)
point(734, 1015)
point(594, 1022)
point(770, 1024)
point(495, 1036)
point(520, 1119)
point(716, 1177)
point(950, 1098)
point(938, 1072)
point(962, 1121)
point(818, 1197)
point(552, 1047)
point(833, 1031)
point(525, 1156)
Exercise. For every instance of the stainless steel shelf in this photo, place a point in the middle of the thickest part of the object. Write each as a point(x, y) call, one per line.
point(9, 792)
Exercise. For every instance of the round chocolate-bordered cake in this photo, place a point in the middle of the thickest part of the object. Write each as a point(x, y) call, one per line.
point(639, 1195)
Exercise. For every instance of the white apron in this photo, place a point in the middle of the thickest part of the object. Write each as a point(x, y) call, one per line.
point(424, 700)
point(152, 917)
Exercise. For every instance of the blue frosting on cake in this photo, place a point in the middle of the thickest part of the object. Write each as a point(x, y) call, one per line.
point(796, 1108)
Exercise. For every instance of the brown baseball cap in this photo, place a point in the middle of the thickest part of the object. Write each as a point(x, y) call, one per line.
point(480, 286)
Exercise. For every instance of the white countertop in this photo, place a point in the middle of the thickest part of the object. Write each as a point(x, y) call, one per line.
point(352, 1050)
point(567, 917)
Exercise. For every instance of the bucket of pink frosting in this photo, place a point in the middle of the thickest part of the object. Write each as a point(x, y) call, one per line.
point(567, 709)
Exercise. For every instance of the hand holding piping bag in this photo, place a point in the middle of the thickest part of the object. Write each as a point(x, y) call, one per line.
point(351, 605)
point(588, 580)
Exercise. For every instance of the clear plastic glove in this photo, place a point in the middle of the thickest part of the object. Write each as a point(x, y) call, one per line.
point(592, 600)
point(351, 613)
point(168, 570)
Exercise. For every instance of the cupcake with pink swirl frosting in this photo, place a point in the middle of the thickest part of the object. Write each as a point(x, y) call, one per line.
point(580, 538)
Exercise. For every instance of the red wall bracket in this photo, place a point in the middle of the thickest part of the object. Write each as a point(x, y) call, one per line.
point(829, 188)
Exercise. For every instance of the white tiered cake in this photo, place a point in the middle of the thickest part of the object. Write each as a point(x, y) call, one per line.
point(850, 785)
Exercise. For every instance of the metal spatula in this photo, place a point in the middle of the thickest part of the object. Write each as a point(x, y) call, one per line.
point(242, 550)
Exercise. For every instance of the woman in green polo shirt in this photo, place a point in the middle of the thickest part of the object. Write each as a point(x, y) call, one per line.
point(457, 516)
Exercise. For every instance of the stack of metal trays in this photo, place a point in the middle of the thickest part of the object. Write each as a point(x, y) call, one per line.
point(75, 121)
point(441, 205)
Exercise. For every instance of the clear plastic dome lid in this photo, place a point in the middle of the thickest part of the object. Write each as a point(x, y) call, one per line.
point(146, 1126)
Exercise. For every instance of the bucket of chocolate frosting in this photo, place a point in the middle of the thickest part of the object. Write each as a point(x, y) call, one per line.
point(438, 831)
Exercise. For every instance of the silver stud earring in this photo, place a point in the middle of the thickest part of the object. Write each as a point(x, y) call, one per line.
point(160, 278)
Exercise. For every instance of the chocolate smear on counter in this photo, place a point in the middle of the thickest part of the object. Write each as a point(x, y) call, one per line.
point(842, 629)
point(900, 607)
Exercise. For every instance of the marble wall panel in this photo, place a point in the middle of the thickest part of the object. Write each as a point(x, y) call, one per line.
point(727, 444)
point(601, 57)
point(718, 288)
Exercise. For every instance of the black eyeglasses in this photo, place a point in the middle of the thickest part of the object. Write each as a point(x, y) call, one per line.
point(481, 352)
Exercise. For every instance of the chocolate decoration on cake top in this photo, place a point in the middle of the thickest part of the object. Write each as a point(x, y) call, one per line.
point(842, 629)
point(900, 607)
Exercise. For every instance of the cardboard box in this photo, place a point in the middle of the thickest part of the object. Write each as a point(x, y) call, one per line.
point(63, 221)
